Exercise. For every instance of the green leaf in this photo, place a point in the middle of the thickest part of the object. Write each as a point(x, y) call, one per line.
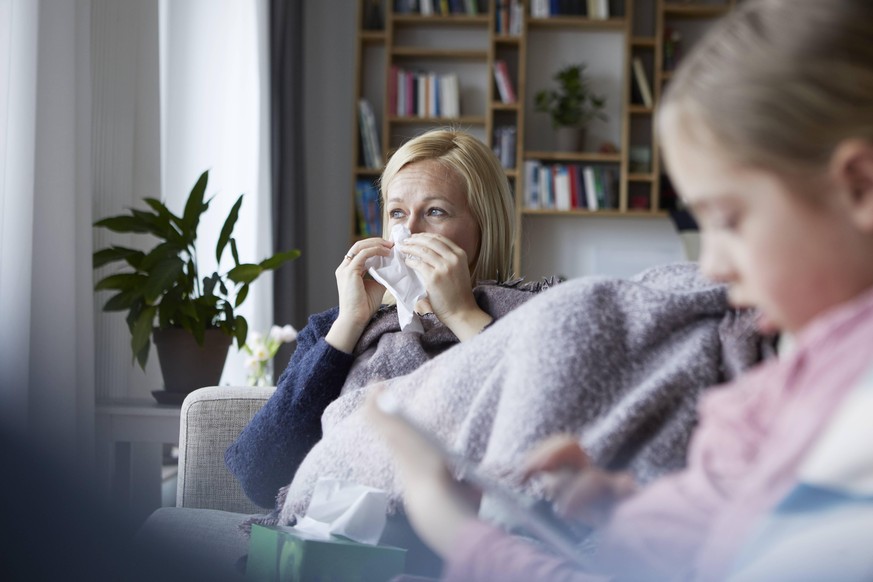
point(162, 252)
point(234, 252)
point(161, 278)
point(143, 356)
point(242, 330)
point(142, 330)
point(227, 229)
point(124, 223)
point(122, 301)
point(278, 259)
point(160, 227)
point(115, 253)
point(120, 281)
point(195, 207)
point(241, 296)
point(209, 284)
point(245, 273)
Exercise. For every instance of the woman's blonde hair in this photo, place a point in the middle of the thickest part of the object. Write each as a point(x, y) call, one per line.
point(780, 83)
point(488, 193)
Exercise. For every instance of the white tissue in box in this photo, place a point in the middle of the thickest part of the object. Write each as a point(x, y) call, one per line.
point(346, 509)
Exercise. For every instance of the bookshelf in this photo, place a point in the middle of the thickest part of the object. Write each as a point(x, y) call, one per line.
point(466, 46)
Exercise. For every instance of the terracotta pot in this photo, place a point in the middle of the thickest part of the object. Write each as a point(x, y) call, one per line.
point(570, 139)
point(185, 365)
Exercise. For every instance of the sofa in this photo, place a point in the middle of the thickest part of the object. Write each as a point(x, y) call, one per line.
point(211, 418)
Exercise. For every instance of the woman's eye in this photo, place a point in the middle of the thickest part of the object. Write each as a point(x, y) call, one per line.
point(436, 212)
point(395, 214)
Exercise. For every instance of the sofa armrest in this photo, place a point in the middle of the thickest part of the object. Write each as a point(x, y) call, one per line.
point(211, 418)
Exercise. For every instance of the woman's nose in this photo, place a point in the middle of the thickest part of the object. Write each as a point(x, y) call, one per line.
point(414, 224)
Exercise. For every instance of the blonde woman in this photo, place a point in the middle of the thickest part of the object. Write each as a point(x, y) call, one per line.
point(449, 190)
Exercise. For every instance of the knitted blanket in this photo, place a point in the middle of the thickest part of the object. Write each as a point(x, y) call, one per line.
point(619, 362)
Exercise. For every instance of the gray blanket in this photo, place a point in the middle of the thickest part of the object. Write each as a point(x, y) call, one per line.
point(619, 362)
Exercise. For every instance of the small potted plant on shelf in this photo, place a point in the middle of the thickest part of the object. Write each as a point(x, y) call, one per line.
point(572, 106)
point(190, 317)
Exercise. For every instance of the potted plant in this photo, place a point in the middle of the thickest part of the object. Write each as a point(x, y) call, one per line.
point(572, 106)
point(191, 317)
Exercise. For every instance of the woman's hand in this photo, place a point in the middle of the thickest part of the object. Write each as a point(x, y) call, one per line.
point(359, 297)
point(444, 267)
point(437, 505)
point(577, 488)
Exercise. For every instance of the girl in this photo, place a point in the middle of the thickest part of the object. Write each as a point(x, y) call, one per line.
point(767, 132)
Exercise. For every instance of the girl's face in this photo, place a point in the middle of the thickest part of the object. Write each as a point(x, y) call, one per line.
point(427, 196)
point(789, 248)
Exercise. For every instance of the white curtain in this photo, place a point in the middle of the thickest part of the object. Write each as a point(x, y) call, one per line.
point(46, 298)
point(80, 139)
point(215, 111)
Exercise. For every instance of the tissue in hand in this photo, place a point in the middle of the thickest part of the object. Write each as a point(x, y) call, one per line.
point(404, 283)
point(346, 509)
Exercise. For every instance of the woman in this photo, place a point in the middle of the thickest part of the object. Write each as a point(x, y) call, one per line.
point(450, 191)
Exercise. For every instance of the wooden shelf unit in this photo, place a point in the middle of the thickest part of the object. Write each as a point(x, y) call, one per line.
point(642, 31)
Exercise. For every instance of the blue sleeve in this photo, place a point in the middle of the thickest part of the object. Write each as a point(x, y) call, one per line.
point(269, 449)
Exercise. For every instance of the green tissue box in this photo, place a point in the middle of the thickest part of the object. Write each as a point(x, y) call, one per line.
point(283, 554)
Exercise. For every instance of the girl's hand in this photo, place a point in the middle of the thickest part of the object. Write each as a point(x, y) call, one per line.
point(437, 505)
point(444, 267)
point(577, 488)
point(359, 297)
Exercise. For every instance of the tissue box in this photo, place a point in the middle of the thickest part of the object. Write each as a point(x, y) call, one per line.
point(284, 554)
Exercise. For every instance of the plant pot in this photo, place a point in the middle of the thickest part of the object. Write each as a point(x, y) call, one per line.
point(185, 365)
point(570, 139)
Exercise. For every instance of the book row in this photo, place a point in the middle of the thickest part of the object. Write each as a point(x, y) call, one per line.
point(368, 212)
point(509, 17)
point(569, 186)
point(440, 7)
point(591, 8)
point(423, 94)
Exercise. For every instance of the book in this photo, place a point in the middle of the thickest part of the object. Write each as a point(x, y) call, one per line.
point(590, 187)
point(369, 135)
point(531, 184)
point(504, 84)
point(642, 82)
point(449, 96)
point(563, 198)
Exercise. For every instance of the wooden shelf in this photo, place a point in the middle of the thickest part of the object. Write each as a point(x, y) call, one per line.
point(579, 22)
point(463, 120)
point(469, 46)
point(695, 10)
point(637, 109)
point(372, 36)
point(644, 42)
point(430, 53)
point(551, 156)
point(606, 213)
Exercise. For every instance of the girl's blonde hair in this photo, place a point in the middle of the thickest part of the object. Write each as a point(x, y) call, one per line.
point(780, 83)
point(488, 193)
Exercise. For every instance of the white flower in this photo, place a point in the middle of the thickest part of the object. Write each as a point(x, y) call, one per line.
point(287, 334)
point(252, 364)
point(275, 334)
point(255, 338)
point(261, 353)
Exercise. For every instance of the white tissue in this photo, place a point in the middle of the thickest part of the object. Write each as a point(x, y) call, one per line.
point(346, 509)
point(403, 283)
